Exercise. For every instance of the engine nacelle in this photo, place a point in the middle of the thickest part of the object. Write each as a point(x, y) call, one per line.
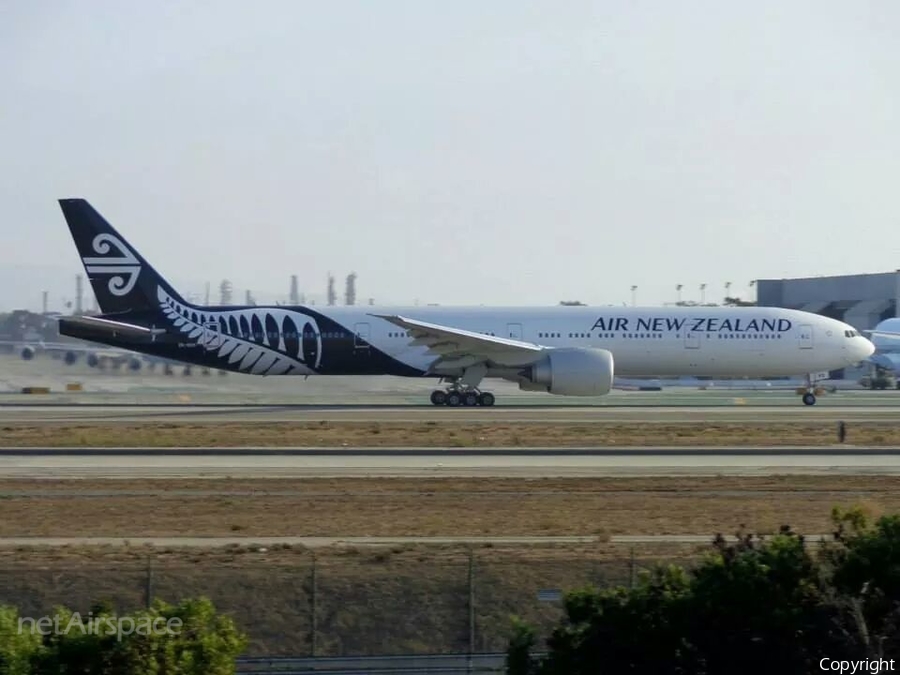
point(134, 364)
point(573, 372)
point(93, 360)
point(70, 357)
point(27, 353)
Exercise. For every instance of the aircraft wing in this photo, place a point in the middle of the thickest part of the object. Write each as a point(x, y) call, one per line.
point(882, 335)
point(44, 346)
point(455, 347)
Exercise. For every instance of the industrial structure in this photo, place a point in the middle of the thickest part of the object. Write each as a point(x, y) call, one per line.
point(862, 300)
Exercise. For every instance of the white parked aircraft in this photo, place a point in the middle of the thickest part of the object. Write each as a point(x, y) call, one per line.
point(886, 338)
point(570, 351)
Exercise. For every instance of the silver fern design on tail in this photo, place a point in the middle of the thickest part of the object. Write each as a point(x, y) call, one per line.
point(125, 264)
point(265, 341)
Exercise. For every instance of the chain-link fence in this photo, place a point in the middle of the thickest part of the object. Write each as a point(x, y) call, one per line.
point(347, 605)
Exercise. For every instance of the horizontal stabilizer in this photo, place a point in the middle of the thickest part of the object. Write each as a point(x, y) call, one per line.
point(88, 327)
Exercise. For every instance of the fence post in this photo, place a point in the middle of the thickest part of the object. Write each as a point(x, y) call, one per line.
point(148, 583)
point(313, 606)
point(471, 609)
point(631, 569)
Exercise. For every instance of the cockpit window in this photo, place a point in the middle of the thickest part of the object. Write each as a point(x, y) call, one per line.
point(851, 333)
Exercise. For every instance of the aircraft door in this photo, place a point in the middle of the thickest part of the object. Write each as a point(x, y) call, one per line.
point(361, 336)
point(514, 331)
point(212, 338)
point(805, 336)
point(691, 340)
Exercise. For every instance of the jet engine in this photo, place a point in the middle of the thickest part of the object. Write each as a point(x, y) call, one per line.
point(70, 357)
point(134, 364)
point(571, 372)
point(27, 353)
point(93, 360)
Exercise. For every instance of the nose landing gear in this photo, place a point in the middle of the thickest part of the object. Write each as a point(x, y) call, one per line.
point(809, 392)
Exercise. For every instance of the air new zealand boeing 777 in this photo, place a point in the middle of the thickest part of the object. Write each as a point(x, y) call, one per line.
point(570, 351)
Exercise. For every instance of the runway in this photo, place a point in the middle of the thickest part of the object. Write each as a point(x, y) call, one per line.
point(108, 413)
point(50, 463)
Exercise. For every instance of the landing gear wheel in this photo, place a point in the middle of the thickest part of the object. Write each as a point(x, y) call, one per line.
point(470, 399)
point(438, 397)
point(453, 399)
point(486, 399)
point(809, 398)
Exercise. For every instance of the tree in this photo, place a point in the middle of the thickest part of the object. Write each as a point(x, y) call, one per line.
point(866, 562)
point(189, 638)
point(767, 600)
point(18, 649)
point(737, 302)
point(772, 604)
point(622, 629)
point(519, 660)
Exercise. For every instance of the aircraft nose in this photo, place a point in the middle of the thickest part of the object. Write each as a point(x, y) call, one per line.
point(864, 348)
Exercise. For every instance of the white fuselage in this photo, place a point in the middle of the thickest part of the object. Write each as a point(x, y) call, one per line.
point(655, 342)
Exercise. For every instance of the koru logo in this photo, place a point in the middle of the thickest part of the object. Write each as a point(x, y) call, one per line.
point(122, 263)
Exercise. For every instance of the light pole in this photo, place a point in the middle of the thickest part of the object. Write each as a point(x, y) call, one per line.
point(678, 288)
point(727, 290)
point(752, 284)
point(702, 294)
point(633, 295)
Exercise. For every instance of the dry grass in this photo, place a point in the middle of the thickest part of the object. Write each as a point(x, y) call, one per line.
point(432, 506)
point(397, 599)
point(430, 433)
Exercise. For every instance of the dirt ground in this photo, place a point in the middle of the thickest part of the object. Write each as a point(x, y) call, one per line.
point(358, 600)
point(430, 433)
point(433, 506)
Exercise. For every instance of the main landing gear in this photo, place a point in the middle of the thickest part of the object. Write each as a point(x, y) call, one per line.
point(462, 397)
point(464, 390)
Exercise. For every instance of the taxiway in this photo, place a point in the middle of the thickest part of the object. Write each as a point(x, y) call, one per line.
point(122, 463)
point(25, 413)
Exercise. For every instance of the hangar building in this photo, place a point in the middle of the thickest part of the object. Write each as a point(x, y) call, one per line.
point(862, 300)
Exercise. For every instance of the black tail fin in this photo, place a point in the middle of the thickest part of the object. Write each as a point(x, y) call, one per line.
point(122, 280)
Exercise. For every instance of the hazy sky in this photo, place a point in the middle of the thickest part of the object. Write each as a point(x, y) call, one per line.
point(501, 152)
